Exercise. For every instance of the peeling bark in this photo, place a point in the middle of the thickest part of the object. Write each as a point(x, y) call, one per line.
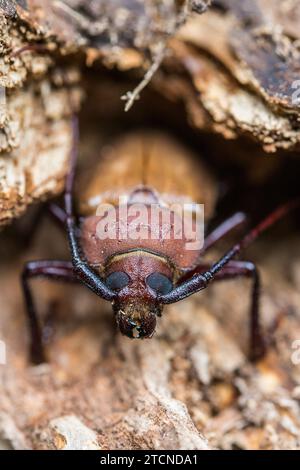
point(239, 83)
point(245, 63)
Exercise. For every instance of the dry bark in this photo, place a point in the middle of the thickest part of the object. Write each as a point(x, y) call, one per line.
point(244, 61)
point(35, 131)
point(233, 67)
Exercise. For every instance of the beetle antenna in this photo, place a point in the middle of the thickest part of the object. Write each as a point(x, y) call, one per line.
point(81, 267)
point(200, 281)
point(69, 185)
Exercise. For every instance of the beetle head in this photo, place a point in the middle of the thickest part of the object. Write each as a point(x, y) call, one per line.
point(138, 278)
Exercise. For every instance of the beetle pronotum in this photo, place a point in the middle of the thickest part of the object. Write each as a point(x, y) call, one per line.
point(139, 276)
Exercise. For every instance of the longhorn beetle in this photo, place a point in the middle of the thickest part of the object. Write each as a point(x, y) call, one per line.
point(139, 276)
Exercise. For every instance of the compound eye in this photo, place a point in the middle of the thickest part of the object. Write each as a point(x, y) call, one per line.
point(117, 280)
point(160, 283)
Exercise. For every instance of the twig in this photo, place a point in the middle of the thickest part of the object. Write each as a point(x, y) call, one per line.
point(131, 96)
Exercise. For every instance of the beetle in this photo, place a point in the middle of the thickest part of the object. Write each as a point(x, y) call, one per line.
point(139, 276)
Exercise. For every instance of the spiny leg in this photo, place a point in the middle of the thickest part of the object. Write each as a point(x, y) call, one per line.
point(257, 346)
point(247, 269)
point(56, 270)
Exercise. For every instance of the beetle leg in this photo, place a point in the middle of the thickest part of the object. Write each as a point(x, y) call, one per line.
point(56, 270)
point(224, 229)
point(233, 270)
point(237, 269)
point(26, 230)
point(57, 213)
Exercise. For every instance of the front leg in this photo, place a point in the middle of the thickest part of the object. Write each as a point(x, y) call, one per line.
point(56, 270)
point(236, 269)
point(233, 270)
